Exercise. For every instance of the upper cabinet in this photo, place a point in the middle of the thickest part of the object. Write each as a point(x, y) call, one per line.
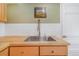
point(3, 12)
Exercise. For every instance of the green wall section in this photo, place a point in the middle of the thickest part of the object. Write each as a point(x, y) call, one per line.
point(24, 12)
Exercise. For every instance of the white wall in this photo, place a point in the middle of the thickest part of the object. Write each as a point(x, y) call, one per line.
point(70, 26)
point(2, 29)
point(31, 29)
point(70, 19)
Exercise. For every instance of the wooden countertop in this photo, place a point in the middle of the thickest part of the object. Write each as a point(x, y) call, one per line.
point(6, 41)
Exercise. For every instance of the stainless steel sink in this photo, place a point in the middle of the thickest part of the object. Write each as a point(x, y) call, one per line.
point(37, 38)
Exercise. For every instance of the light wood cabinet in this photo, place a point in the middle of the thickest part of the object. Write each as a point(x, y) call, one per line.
point(3, 12)
point(53, 51)
point(24, 51)
point(4, 52)
point(39, 51)
point(58, 50)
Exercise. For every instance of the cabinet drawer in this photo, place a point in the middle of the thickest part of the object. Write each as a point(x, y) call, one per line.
point(24, 51)
point(58, 51)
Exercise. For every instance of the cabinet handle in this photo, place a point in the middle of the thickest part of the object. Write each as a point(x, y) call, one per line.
point(22, 52)
point(52, 51)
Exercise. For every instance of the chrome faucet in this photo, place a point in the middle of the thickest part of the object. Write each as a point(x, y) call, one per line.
point(38, 28)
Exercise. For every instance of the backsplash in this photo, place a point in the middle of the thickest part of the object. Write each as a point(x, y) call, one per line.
point(2, 29)
point(31, 29)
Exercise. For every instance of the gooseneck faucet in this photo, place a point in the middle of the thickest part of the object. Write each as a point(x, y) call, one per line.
point(38, 28)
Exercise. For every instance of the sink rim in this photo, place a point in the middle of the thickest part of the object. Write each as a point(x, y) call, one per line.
point(37, 38)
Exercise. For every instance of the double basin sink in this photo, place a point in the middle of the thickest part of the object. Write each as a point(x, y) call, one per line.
point(37, 38)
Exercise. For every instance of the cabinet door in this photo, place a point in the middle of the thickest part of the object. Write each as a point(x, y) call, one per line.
point(4, 52)
point(3, 12)
point(24, 51)
point(53, 51)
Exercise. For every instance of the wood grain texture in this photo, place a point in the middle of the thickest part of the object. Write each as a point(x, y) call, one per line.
point(18, 47)
point(4, 52)
point(19, 40)
point(24, 51)
point(53, 51)
point(3, 12)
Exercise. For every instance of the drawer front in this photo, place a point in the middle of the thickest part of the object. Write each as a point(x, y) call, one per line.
point(24, 51)
point(50, 51)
